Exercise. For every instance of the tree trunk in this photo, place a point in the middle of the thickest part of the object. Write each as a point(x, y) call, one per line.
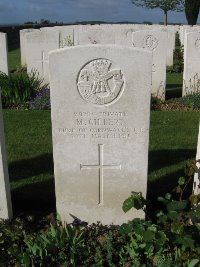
point(192, 11)
point(165, 17)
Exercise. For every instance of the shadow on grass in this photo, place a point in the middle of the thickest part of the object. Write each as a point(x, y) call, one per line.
point(167, 182)
point(35, 198)
point(13, 46)
point(159, 159)
point(173, 91)
point(26, 168)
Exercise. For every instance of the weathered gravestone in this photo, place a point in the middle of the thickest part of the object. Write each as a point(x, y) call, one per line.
point(3, 53)
point(23, 47)
point(5, 198)
point(39, 43)
point(191, 74)
point(156, 42)
point(67, 35)
point(96, 34)
point(196, 185)
point(100, 97)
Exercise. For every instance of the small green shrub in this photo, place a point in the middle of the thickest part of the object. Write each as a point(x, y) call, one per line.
point(191, 100)
point(169, 238)
point(18, 88)
point(41, 100)
point(178, 57)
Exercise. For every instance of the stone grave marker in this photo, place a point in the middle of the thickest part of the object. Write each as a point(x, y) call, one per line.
point(39, 43)
point(3, 53)
point(196, 185)
point(100, 97)
point(191, 73)
point(23, 44)
point(156, 42)
point(5, 198)
point(96, 34)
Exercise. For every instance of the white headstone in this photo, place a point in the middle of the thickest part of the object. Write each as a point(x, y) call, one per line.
point(156, 42)
point(23, 44)
point(68, 35)
point(3, 53)
point(191, 74)
point(39, 43)
point(5, 198)
point(97, 34)
point(196, 186)
point(100, 97)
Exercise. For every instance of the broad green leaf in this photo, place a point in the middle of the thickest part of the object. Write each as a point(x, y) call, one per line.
point(168, 196)
point(128, 204)
point(193, 263)
point(186, 241)
point(148, 235)
point(172, 214)
point(177, 205)
point(181, 180)
point(177, 228)
point(197, 212)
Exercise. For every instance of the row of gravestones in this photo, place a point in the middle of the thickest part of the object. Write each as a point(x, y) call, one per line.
point(100, 97)
point(35, 45)
point(3, 53)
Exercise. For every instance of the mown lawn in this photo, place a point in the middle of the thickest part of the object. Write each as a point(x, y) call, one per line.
point(174, 83)
point(14, 59)
point(173, 140)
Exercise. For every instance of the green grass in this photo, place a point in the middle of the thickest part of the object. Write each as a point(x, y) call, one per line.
point(29, 149)
point(174, 82)
point(14, 59)
point(173, 140)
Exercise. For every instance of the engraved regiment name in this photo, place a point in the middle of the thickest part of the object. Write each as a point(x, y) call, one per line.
point(104, 125)
point(100, 82)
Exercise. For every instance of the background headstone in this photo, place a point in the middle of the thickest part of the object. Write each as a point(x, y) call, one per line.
point(5, 198)
point(100, 108)
point(3, 53)
point(156, 42)
point(196, 187)
point(39, 43)
point(191, 73)
point(23, 44)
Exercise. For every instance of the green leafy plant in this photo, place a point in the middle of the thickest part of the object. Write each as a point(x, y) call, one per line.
point(58, 244)
point(173, 224)
point(191, 100)
point(178, 56)
point(18, 88)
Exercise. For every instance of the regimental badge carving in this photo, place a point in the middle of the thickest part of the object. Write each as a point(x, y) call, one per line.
point(197, 43)
point(100, 82)
point(150, 42)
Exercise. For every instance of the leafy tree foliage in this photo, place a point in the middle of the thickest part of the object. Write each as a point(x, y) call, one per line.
point(192, 11)
point(165, 5)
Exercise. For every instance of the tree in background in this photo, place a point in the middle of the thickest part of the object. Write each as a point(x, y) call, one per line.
point(192, 11)
point(165, 5)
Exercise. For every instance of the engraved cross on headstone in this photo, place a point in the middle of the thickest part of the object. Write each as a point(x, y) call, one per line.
point(42, 61)
point(101, 167)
